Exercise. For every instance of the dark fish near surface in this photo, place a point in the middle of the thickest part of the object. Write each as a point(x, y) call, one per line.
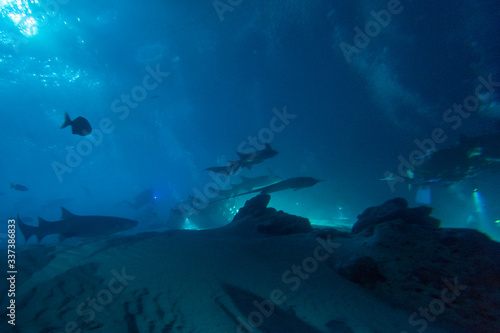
point(80, 125)
point(19, 187)
point(73, 225)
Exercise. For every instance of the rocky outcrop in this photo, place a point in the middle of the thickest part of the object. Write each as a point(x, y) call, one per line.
point(256, 216)
point(392, 210)
point(450, 275)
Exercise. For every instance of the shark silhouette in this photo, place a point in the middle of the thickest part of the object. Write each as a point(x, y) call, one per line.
point(72, 225)
point(250, 183)
point(295, 183)
point(247, 160)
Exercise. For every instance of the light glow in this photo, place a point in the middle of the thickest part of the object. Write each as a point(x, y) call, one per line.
point(19, 12)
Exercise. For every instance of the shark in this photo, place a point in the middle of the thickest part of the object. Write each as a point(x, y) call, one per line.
point(224, 170)
point(247, 160)
point(72, 225)
point(295, 183)
point(250, 183)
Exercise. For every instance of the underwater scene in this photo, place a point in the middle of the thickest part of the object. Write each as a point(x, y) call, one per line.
point(213, 166)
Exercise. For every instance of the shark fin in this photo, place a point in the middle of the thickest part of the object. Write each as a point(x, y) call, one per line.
point(66, 214)
point(27, 230)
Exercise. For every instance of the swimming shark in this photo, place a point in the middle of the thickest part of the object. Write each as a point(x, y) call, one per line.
point(249, 183)
point(72, 225)
point(247, 160)
point(295, 183)
point(225, 170)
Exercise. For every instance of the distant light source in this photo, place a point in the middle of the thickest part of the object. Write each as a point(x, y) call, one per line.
point(20, 14)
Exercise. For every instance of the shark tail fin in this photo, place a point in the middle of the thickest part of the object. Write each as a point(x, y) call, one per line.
point(26, 230)
point(67, 120)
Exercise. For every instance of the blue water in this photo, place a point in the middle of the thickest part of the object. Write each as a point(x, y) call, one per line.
point(224, 70)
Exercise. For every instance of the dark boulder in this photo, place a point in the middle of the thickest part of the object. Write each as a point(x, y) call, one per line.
point(392, 210)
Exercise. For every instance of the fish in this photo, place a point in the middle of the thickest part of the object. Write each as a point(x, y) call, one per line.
point(224, 170)
point(247, 160)
point(72, 225)
point(249, 183)
point(79, 126)
point(295, 183)
point(19, 187)
point(467, 158)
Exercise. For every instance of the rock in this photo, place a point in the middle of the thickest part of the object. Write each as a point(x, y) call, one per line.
point(282, 223)
point(254, 207)
point(364, 271)
point(256, 216)
point(403, 258)
point(392, 210)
